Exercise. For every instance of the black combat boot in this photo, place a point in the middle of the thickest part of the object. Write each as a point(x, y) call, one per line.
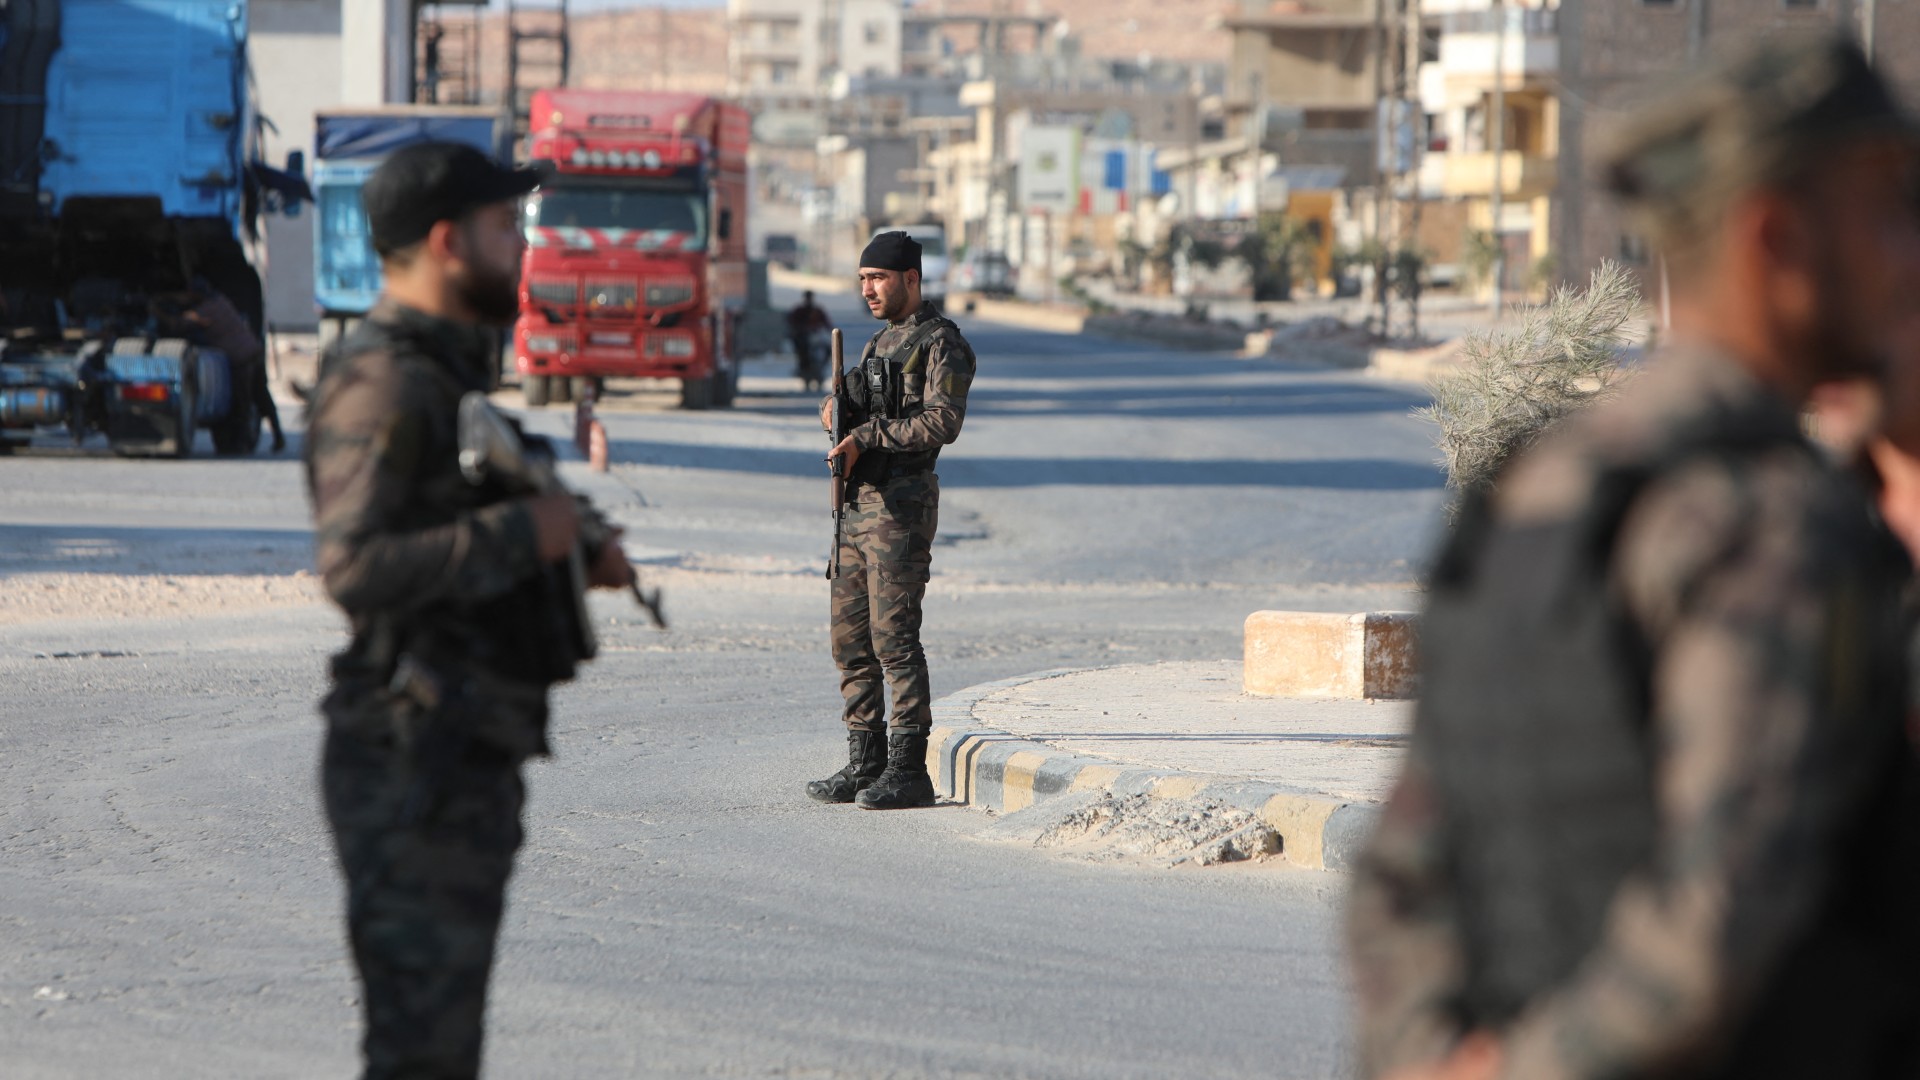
point(866, 760)
point(905, 785)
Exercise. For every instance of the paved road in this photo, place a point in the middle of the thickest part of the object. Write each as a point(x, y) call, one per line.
point(681, 909)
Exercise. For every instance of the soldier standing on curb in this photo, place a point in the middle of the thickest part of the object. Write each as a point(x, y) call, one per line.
point(458, 603)
point(907, 399)
point(1658, 815)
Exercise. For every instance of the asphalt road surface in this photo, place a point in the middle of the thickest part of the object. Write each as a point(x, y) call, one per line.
point(681, 909)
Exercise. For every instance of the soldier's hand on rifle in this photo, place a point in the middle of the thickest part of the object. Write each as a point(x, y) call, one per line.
point(1478, 1056)
point(556, 524)
point(610, 569)
point(848, 450)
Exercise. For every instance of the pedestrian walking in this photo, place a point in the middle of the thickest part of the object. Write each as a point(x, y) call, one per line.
point(458, 597)
point(807, 329)
point(905, 400)
point(1658, 814)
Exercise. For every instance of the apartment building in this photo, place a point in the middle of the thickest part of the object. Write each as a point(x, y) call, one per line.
point(1495, 58)
point(784, 49)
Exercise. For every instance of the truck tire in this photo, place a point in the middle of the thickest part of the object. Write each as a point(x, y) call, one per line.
point(535, 389)
point(726, 386)
point(583, 385)
point(696, 394)
point(562, 389)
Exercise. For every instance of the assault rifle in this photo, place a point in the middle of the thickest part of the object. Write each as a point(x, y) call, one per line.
point(837, 466)
point(490, 449)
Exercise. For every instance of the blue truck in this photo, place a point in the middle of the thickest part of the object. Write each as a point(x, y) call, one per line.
point(348, 145)
point(129, 178)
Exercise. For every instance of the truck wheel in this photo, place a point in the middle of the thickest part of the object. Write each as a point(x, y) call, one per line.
point(535, 389)
point(696, 393)
point(562, 389)
point(726, 385)
point(583, 385)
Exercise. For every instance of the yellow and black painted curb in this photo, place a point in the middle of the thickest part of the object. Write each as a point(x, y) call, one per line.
point(996, 770)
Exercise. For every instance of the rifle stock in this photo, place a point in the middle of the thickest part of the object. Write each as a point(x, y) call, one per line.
point(837, 467)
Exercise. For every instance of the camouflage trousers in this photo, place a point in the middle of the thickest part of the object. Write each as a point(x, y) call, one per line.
point(426, 868)
point(886, 554)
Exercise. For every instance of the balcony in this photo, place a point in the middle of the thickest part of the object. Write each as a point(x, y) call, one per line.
point(1522, 175)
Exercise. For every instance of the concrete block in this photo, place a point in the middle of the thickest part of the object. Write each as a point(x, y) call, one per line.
point(1315, 654)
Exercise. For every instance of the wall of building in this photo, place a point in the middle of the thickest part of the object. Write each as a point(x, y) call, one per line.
point(869, 38)
point(1614, 53)
point(296, 54)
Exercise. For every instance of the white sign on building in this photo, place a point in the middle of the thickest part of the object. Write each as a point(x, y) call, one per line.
point(1049, 169)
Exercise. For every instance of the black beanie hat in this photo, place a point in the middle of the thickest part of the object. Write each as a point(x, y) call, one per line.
point(891, 251)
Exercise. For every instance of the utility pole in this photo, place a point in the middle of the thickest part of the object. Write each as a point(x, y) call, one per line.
point(1416, 128)
point(1382, 121)
point(1497, 138)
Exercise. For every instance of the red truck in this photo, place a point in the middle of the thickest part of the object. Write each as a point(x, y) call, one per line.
point(636, 262)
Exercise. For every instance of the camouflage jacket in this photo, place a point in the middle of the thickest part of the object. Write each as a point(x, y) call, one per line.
point(1761, 633)
point(934, 389)
point(401, 537)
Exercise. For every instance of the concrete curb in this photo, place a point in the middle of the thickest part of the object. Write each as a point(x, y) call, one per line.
point(985, 767)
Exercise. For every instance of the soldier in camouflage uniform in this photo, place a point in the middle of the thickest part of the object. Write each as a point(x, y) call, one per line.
point(457, 604)
point(905, 401)
point(1658, 817)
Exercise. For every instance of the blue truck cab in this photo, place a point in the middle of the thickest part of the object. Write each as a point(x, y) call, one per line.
point(348, 145)
point(128, 177)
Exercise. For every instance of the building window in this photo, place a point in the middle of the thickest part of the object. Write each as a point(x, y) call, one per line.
point(1659, 3)
point(1800, 5)
point(783, 74)
point(1633, 250)
point(876, 32)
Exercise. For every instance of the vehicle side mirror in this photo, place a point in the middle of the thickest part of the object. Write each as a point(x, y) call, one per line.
point(296, 168)
point(726, 223)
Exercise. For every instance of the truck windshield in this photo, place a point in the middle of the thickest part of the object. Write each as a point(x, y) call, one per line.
point(681, 214)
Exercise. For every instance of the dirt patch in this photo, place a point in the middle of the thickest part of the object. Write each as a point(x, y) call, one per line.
point(29, 598)
point(1173, 831)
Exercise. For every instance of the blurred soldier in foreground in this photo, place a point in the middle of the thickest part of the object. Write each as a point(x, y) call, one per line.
point(1657, 819)
point(903, 403)
point(458, 610)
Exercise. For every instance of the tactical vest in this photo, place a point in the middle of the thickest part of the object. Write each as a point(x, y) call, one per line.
point(1534, 713)
point(881, 391)
point(525, 635)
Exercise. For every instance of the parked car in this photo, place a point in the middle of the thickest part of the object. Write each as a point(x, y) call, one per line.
point(985, 272)
point(783, 248)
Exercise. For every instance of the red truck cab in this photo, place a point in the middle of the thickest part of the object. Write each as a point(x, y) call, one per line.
point(636, 261)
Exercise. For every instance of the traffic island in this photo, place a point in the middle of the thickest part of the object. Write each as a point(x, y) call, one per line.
point(1170, 761)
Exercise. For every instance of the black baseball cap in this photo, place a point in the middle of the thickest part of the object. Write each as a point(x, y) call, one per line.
point(430, 182)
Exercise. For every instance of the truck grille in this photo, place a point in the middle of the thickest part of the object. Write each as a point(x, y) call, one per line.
point(669, 293)
point(554, 293)
point(612, 299)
